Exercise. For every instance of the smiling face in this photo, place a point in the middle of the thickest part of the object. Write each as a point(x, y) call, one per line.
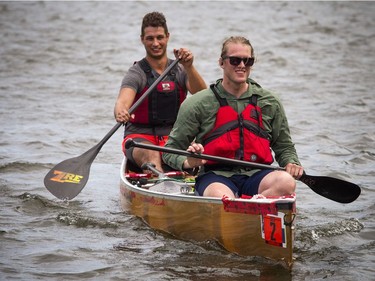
point(235, 74)
point(155, 40)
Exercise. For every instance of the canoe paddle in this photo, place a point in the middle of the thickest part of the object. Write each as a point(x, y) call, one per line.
point(335, 189)
point(69, 177)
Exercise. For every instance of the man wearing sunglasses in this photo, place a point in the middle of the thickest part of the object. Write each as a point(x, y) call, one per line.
point(235, 118)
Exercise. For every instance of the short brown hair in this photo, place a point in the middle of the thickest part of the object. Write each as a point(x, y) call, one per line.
point(236, 39)
point(154, 19)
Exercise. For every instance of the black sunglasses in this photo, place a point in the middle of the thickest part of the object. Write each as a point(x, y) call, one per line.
point(236, 61)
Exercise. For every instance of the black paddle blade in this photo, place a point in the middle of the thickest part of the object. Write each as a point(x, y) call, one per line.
point(335, 189)
point(68, 178)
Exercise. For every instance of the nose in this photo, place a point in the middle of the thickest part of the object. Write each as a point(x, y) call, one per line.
point(155, 42)
point(242, 63)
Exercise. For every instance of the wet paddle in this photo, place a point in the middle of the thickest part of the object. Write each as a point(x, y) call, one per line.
point(335, 189)
point(69, 177)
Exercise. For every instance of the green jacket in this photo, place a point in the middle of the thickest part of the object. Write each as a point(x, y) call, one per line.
point(197, 117)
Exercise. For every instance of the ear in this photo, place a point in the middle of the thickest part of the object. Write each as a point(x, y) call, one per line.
point(221, 62)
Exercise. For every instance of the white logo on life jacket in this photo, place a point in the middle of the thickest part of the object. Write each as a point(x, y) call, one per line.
point(166, 86)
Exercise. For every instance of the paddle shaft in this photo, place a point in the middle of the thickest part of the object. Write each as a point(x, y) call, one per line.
point(66, 179)
point(129, 143)
point(335, 189)
point(137, 103)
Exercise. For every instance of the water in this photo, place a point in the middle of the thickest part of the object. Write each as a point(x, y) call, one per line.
point(61, 67)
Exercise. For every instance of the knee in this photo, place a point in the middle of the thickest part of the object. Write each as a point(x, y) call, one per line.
point(277, 183)
point(218, 190)
point(287, 184)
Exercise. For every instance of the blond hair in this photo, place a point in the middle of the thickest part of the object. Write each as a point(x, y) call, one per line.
point(235, 39)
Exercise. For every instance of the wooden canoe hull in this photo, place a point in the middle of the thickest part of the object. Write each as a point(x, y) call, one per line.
point(241, 226)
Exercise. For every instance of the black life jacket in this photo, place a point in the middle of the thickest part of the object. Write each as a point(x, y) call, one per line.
point(238, 136)
point(162, 105)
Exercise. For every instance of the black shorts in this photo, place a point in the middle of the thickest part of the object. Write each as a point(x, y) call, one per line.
point(239, 184)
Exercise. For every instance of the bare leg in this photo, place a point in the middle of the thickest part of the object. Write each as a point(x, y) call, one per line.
point(142, 156)
point(217, 189)
point(277, 183)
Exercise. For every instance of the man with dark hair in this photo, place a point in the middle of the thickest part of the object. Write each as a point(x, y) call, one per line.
point(155, 116)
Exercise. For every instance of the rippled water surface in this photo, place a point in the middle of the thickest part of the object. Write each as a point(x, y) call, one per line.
point(60, 70)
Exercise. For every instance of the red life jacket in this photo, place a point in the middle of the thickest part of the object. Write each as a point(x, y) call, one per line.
point(238, 136)
point(162, 105)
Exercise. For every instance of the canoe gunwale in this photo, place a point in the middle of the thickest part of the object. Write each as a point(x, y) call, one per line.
point(282, 201)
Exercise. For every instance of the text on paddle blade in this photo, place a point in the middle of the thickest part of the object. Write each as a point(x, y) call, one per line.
point(66, 177)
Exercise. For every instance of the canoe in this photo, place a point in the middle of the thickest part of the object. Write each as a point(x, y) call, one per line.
point(245, 226)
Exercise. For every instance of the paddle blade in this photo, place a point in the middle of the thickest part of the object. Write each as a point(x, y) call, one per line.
point(68, 178)
point(335, 189)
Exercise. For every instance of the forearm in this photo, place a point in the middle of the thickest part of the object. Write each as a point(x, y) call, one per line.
point(195, 80)
point(286, 154)
point(283, 146)
point(183, 133)
point(174, 161)
point(175, 141)
point(118, 107)
point(123, 103)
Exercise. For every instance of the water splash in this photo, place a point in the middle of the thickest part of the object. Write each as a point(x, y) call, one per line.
point(306, 238)
point(81, 220)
